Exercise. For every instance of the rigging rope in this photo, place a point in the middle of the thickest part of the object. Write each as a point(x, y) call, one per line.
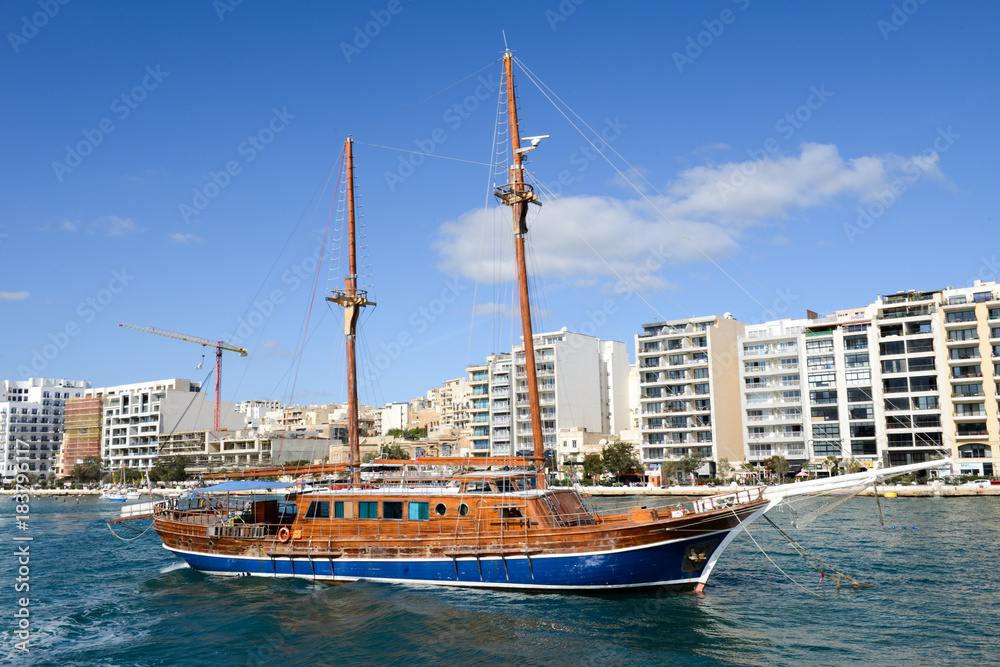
point(823, 568)
point(531, 76)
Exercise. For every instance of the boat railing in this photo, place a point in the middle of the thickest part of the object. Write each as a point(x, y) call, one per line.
point(672, 508)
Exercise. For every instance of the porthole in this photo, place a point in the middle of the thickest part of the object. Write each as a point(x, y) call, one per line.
point(440, 509)
point(463, 510)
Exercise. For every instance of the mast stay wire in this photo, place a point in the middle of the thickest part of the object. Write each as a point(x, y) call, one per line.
point(531, 76)
point(317, 196)
point(430, 97)
point(482, 238)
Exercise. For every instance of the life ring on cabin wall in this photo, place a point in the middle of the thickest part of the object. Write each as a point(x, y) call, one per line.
point(283, 534)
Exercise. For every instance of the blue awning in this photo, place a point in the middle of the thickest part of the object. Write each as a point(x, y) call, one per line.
point(226, 487)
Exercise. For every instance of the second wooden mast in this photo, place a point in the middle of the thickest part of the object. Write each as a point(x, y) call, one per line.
point(353, 300)
point(517, 194)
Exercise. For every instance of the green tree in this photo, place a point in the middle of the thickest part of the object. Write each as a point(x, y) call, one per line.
point(593, 466)
point(689, 463)
point(832, 464)
point(778, 465)
point(297, 462)
point(88, 471)
point(619, 458)
point(393, 451)
point(725, 469)
point(170, 470)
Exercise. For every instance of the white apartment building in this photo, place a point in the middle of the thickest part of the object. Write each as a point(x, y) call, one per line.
point(395, 416)
point(573, 372)
point(136, 415)
point(908, 377)
point(689, 391)
point(31, 424)
point(809, 390)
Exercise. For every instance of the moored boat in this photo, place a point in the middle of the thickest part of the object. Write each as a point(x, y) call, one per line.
point(495, 526)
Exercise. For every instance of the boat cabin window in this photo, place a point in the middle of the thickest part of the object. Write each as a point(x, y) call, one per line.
point(286, 512)
point(367, 509)
point(527, 483)
point(463, 510)
point(418, 511)
point(342, 510)
point(318, 509)
point(392, 509)
point(440, 509)
point(478, 486)
point(505, 485)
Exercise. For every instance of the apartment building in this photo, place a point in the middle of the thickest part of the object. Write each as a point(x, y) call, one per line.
point(136, 415)
point(911, 376)
point(82, 436)
point(31, 424)
point(689, 391)
point(582, 383)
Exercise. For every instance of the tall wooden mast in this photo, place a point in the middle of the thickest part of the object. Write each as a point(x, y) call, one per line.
point(517, 194)
point(353, 300)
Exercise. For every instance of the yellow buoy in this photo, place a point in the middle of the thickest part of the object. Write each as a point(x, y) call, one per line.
point(889, 494)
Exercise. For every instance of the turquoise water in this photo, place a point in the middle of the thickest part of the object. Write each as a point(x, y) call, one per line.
point(96, 600)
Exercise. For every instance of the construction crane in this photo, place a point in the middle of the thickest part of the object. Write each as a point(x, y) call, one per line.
point(218, 345)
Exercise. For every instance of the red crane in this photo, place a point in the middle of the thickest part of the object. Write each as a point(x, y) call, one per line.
point(218, 345)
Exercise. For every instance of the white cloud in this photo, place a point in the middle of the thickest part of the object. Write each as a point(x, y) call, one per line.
point(14, 296)
point(627, 233)
point(105, 225)
point(112, 225)
point(268, 344)
point(771, 188)
point(493, 309)
point(180, 237)
point(709, 207)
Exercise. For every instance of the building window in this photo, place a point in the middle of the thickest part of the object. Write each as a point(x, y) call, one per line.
point(855, 342)
point(819, 345)
point(892, 347)
point(858, 377)
point(823, 396)
point(828, 414)
point(817, 380)
point(863, 448)
point(857, 394)
point(894, 385)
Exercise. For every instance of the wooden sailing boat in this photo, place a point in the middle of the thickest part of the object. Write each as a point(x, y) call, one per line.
point(496, 527)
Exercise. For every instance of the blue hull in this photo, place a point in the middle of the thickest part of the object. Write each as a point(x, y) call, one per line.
point(680, 563)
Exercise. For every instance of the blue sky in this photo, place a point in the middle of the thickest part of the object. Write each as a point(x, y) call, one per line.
point(170, 165)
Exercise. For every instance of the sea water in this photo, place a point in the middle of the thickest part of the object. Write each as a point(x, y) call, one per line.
point(96, 599)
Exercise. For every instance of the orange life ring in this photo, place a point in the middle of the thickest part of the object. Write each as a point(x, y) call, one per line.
point(283, 534)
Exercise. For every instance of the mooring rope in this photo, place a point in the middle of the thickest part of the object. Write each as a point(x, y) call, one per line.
point(129, 539)
point(771, 560)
